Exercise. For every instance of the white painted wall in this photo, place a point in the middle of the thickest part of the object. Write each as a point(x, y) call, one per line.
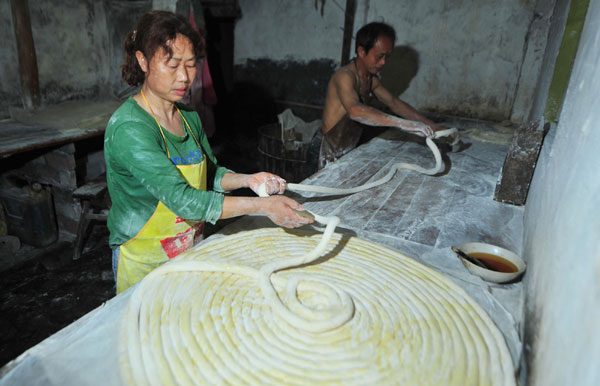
point(471, 51)
point(288, 29)
point(562, 240)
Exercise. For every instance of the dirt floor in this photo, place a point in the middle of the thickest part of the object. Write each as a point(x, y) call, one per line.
point(47, 294)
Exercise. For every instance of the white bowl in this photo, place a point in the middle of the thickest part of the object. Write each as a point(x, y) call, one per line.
point(489, 275)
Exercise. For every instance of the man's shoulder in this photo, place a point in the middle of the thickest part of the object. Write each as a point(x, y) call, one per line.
point(347, 69)
point(344, 74)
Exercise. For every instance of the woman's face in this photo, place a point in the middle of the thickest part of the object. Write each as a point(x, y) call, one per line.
point(170, 77)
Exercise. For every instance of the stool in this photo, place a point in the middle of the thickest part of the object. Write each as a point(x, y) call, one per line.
point(87, 195)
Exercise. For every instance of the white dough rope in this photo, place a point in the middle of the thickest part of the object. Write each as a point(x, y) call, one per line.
point(411, 324)
point(401, 165)
point(339, 308)
point(324, 321)
point(313, 321)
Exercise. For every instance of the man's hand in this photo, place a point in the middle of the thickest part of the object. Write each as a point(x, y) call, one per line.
point(449, 139)
point(273, 183)
point(414, 127)
point(420, 129)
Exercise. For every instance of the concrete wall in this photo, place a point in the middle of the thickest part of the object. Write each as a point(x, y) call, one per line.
point(286, 49)
point(78, 46)
point(121, 19)
point(474, 58)
point(70, 39)
point(562, 238)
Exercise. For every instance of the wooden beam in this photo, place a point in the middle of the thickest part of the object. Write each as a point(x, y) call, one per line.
point(28, 71)
point(348, 29)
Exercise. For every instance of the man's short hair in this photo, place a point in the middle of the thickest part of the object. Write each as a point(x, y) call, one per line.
point(367, 35)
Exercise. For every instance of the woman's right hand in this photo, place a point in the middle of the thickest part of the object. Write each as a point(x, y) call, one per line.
point(282, 211)
point(273, 184)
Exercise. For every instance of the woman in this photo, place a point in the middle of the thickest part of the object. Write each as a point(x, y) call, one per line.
point(162, 176)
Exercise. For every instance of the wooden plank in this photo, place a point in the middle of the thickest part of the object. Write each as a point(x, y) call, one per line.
point(28, 70)
point(519, 165)
point(91, 190)
point(54, 125)
point(16, 137)
point(348, 30)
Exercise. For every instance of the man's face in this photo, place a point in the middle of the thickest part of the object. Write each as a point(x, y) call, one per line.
point(375, 59)
point(170, 78)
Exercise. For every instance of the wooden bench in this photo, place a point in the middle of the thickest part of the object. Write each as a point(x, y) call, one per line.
point(88, 195)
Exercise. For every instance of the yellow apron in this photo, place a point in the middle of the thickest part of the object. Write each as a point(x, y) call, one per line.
point(165, 235)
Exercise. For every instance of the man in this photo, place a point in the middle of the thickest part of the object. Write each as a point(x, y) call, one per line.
point(349, 93)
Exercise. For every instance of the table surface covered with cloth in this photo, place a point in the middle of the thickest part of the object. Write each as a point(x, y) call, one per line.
point(420, 216)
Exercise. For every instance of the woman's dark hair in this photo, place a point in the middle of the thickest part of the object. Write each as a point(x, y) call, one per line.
point(153, 31)
point(368, 34)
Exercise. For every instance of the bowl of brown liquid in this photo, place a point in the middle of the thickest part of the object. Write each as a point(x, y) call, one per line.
point(503, 265)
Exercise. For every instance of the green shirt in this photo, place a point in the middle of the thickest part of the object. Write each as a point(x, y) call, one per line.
point(139, 174)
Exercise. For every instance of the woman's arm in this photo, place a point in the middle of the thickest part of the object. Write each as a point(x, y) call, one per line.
point(273, 183)
point(279, 209)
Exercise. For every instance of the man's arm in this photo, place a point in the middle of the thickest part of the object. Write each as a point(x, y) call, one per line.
point(344, 84)
point(400, 107)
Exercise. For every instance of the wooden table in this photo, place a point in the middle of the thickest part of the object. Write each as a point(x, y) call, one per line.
point(419, 216)
point(40, 146)
point(55, 125)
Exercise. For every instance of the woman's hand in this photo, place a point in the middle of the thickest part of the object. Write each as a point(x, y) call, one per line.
point(283, 211)
point(273, 183)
